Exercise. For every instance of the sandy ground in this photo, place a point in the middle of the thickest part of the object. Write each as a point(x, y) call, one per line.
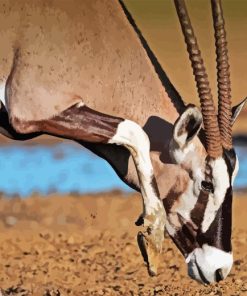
point(86, 245)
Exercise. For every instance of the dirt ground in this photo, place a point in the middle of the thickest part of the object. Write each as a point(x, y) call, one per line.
point(86, 245)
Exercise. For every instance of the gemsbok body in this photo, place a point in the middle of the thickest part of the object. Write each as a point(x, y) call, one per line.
point(82, 70)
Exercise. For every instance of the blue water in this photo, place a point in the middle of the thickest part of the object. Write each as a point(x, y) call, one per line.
point(62, 168)
point(241, 179)
point(66, 168)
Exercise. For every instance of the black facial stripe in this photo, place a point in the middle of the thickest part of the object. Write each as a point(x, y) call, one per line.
point(221, 228)
point(169, 201)
point(184, 244)
point(219, 232)
point(230, 159)
point(185, 239)
point(197, 214)
point(226, 220)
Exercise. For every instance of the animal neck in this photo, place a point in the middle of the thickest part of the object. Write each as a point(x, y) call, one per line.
point(158, 118)
point(155, 108)
point(171, 95)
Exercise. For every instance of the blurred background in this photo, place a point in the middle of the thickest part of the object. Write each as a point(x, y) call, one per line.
point(47, 165)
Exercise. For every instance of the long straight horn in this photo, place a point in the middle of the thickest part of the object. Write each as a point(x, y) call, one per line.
point(213, 140)
point(223, 75)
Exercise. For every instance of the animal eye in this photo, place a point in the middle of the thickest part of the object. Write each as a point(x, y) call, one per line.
point(207, 186)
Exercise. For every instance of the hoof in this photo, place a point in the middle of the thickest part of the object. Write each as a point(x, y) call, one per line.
point(150, 240)
point(149, 252)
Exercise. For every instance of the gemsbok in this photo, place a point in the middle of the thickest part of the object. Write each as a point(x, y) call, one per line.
point(82, 70)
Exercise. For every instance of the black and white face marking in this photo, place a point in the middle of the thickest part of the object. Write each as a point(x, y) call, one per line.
point(212, 259)
point(200, 220)
point(203, 233)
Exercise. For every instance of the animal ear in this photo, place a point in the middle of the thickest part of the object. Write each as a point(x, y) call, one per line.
point(187, 126)
point(237, 109)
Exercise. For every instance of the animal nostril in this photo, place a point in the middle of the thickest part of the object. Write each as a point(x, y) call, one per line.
point(219, 275)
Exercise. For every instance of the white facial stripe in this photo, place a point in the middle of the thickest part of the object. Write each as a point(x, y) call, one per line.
point(221, 183)
point(131, 135)
point(2, 92)
point(220, 179)
point(209, 259)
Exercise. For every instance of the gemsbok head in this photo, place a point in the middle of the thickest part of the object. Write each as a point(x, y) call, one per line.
point(200, 221)
point(83, 71)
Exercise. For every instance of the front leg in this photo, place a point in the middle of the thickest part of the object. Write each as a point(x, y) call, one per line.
point(133, 137)
point(81, 123)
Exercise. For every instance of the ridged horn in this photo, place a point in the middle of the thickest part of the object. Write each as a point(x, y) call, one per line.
point(223, 75)
point(212, 132)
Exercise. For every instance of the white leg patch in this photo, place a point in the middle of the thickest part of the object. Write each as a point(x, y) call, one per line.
point(133, 137)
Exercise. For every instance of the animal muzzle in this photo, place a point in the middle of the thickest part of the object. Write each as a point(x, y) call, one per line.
point(209, 264)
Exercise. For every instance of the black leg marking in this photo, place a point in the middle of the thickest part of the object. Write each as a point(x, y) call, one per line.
point(81, 123)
